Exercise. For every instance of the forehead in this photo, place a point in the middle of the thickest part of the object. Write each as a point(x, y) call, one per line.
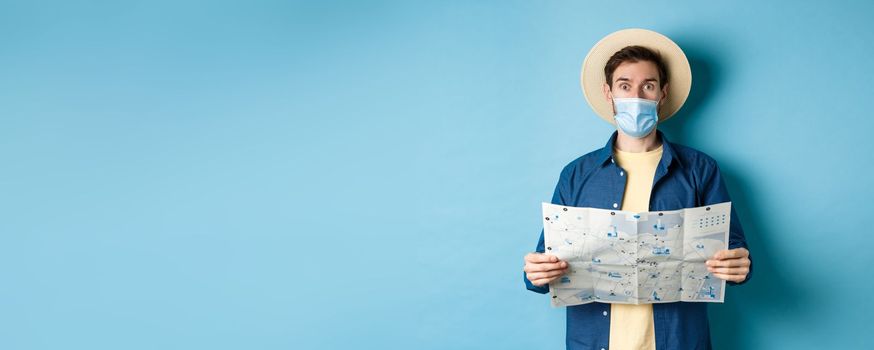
point(636, 71)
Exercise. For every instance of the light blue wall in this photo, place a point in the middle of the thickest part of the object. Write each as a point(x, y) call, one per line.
point(365, 174)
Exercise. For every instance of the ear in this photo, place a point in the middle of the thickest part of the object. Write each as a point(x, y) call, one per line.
point(664, 94)
point(608, 95)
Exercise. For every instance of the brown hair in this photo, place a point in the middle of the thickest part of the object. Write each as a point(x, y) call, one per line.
point(635, 54)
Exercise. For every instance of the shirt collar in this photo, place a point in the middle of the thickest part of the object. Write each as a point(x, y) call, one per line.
point(668, 153)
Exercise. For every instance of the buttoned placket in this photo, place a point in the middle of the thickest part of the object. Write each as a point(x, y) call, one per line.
point(623, 182)
point(606, 315)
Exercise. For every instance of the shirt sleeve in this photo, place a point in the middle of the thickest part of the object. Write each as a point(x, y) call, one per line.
point(560, 196)
point(713, 191)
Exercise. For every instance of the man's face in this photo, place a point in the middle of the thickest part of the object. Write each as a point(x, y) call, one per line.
point(636, 79)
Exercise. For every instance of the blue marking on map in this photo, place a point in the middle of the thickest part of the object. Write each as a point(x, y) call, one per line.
point(661, 251)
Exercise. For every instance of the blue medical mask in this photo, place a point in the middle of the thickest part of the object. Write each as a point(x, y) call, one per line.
point(636, 117)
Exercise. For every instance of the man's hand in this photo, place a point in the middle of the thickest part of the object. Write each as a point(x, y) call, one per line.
point(541, 268)
point(730, 265)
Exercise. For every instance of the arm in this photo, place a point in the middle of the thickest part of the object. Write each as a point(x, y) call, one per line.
point(530, 286)
point(560, 196)
point(734, 265)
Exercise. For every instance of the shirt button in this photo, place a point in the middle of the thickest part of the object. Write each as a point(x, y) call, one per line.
point(605, 313)
point(612, 161)
point(615, 205)
point(621, 173)
point(603, 349)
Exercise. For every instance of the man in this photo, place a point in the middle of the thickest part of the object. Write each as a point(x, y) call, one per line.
point(635, 79)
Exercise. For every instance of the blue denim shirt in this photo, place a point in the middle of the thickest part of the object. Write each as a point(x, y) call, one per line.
point(684, 178)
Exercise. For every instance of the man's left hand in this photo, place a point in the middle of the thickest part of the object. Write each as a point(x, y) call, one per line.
point(730, 265)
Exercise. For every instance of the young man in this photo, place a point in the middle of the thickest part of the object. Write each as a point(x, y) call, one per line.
point(635, 79)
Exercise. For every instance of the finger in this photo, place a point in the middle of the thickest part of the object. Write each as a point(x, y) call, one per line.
point(547, 274)
point(540, 282)
point(531, 268)
point(540, 258)
point(728, 262)
point(722, 254)
point(543, 281)
point(729, 270)
point(732, 278)
point(731, 253)
point(545, 266)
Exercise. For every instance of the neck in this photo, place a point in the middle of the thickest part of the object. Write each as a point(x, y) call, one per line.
point(627, 143)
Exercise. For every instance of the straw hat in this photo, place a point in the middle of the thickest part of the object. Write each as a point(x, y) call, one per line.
point(679, 74)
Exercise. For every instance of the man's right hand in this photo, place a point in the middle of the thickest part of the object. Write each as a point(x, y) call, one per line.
point(541, 268)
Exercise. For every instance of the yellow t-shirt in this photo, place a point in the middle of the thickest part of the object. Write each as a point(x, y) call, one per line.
point(631, 326)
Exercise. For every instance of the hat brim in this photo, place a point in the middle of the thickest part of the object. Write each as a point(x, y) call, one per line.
point(592, 76)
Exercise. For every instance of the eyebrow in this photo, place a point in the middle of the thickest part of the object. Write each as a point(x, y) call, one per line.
point(645, 80)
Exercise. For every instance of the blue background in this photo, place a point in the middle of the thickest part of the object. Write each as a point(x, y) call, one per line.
point(368, 174)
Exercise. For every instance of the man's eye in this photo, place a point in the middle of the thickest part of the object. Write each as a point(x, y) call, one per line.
point(649, 86)
point(623, 86)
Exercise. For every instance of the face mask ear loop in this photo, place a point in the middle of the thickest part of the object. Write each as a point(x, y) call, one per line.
point(613, 107)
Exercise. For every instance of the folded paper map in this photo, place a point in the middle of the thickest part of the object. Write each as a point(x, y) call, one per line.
point(635, 258)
